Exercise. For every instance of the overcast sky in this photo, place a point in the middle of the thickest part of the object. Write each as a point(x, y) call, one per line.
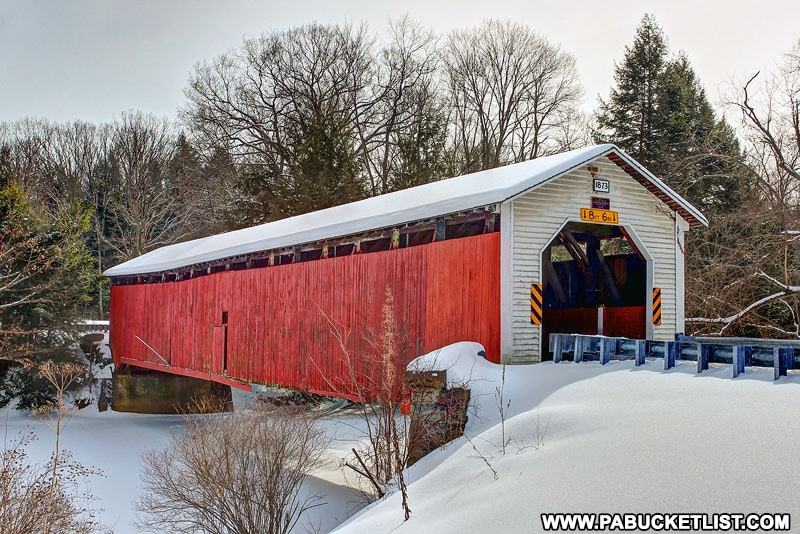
point(92, 59)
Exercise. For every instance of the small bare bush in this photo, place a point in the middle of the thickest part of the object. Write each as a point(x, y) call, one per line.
point(384, 456)
point(232, 473)
point(42, 498)
point(377, 378)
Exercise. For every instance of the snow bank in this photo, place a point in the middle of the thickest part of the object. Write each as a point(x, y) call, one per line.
point(465, 362)
point(467, 366)
point(613, 438)
point(580, 438)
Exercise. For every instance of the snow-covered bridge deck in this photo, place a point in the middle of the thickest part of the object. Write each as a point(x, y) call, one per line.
point(738, 352)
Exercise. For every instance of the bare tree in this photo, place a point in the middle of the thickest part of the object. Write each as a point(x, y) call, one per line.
point(47, 498)
point(320, 115)
point(509, 92)
point(251, 100)
point(234, 473)
point(402, 138)
point(288, 105)
point(130, 174)
point(55, 162)
point(759, 284)
point(146, 208)
point(26, 142)
point(75, 158)
point(61, 376)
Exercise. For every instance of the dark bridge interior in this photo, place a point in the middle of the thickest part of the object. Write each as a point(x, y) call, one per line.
point(594, 282)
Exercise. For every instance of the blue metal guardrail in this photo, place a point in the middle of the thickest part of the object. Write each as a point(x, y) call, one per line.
point(738, 352)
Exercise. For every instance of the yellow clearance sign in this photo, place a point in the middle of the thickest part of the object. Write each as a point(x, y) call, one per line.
point(599, 216)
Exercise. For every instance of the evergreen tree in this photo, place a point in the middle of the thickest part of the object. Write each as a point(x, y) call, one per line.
point(699, 155)
point(201, 182)
point(630, 118)
point(46, 274)
point(185, 165)
point(219, 176)
point(322, 171)
point(325, 171)
point(659, 114)
point(684, 114)
point(420, 156)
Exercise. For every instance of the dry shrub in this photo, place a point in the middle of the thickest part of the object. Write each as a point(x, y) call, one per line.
point(240, 472)
point(384, 456)
point(42, 498)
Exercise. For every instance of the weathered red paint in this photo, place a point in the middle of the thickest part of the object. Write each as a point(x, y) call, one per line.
point(625, 321)
point(283, 321)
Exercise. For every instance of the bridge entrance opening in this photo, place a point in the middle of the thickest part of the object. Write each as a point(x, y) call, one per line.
point(594, 282)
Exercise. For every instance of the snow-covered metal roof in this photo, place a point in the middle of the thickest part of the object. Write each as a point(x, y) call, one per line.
point(392, 209)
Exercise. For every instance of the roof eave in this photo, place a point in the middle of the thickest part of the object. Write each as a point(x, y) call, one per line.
point(661, 190)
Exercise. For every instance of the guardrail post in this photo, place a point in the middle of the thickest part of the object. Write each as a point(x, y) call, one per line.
point(738, 360)
point(605, 350)
point(558, 344)
point(580, 346)
point(783, 361)
point(778, 362)
point(703, 354)
point(640, 351)
point(670, 350)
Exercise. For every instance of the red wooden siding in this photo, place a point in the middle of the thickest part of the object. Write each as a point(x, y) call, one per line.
point(627, 321)
point(621, 321)
point(280, 318)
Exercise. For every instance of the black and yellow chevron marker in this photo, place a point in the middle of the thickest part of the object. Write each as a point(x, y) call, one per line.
point(656, 305)
point(536, 303)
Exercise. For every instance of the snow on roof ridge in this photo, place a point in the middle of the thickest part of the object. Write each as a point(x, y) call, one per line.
point(422, 202)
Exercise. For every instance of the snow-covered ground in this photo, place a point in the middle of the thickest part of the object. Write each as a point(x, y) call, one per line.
point(111, 441)
point(581, 438)
point(616, 439)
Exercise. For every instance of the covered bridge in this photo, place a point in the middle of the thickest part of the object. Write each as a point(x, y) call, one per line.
point(586, 241)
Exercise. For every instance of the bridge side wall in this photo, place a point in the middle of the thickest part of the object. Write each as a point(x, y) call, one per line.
point(283, 321)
